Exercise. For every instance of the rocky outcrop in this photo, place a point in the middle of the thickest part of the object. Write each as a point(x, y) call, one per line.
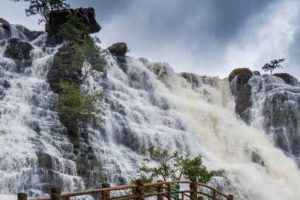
point(241, 90)
point(19, 51)
point(59, 17)
point(5, 30)
point(241, 74)
point(61, 69)
point(119, 50)
point(288, 79)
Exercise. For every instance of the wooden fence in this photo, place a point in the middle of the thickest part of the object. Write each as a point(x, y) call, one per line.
point(141, 191)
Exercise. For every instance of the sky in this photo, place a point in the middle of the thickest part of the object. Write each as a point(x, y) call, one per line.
point(207, 37)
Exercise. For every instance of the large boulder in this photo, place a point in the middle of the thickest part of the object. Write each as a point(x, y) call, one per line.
point(241, 90)
point(119, 50)
point(61, 69)
point(288, 79)
point(59, 17)
point(27, 34)
point(19, 51)
point(243, 75)
point(5, 30)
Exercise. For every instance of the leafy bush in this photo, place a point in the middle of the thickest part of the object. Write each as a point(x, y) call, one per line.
point(174, 166)
point(76, 105)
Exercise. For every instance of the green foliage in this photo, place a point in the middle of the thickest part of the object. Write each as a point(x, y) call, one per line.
point(174, 166)
point(74, 29)
point(44, 7)
point(273, 65)
point(76, 105)
point(86, 54)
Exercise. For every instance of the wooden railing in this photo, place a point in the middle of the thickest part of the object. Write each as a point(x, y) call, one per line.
point(141, 191)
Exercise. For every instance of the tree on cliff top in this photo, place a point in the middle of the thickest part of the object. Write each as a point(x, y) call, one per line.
point(44, 7)
point(272, 65)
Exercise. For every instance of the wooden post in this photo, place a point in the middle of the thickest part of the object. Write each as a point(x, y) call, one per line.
point(160, 189)
point(169, 190)
point(193, 188)
point(55, 193)
point(105, 194)
point(139, 191)
point(230, 197)
point(22, 196)
point(214, 195)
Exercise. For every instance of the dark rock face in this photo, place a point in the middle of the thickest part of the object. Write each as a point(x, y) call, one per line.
point(5, 30)
point(119, 50)
point(277, 104)
point(288, 79)
point(19, 51)
point(60, 69)
point(241, 90)
point(281, 112)
point(28, 34)
point(243, 75)
point(57, 18)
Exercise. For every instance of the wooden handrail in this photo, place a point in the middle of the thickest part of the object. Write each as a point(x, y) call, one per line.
point(138, 191)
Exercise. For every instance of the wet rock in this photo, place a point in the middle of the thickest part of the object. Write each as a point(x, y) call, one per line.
point(60, 70)
point(59, 17)
point(288, 79)
point(28, 34)
point(118, 49)
point(19, 51)
point(243, 75)
point(242, 91)
point(5, 30)
point(6, 84)
point(44, 160)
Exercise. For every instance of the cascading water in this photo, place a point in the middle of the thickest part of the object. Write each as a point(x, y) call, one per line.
point(146, 104)
point(31, 134)
point(276, 110)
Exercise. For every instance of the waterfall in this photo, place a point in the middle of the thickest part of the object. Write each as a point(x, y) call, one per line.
point(31, 134)
point(145, 104)
point(276, 110)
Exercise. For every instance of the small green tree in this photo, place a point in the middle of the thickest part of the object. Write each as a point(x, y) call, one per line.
point(175, 166)
point(44, 7)
point(76, 105)
point(272, 65)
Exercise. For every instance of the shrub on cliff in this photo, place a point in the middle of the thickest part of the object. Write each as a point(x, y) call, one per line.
point(76, 105)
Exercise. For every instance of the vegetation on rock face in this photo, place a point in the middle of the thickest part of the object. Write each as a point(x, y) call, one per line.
point(44, 7)
point(272, 65)
point(76, 105)
point(174, 166)
point(86, 54)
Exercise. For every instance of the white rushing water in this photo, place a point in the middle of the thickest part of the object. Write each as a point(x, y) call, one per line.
point(142, 108)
